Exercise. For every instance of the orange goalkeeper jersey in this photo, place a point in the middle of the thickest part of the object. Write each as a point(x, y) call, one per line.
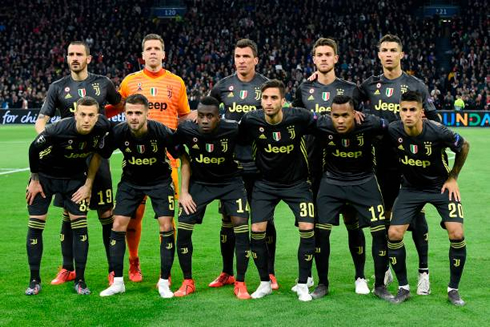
point(165, 91)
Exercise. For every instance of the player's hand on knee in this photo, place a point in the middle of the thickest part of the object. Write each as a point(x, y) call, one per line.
point(451, 185)
point(187, 203)
point(34, 189)
point(359, 117)
point(83, 193)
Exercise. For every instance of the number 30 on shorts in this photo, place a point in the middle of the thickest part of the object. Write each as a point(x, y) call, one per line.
point(306, 209)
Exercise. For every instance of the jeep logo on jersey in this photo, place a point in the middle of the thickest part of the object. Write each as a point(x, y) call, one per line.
point(389, 92)
point(414, 148)
point(82, 93)
point(243, 94)
point(345, 143)
point(276, 136)
point(325, 96)
point(140, 148)
point(209, 147)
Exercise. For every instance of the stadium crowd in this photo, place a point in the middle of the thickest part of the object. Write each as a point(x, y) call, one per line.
point(198, 48)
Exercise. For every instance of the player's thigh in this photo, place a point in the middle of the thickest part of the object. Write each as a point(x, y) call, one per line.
point(329, 203)
point(202, 195)
point(40, 204)
point(234, 199)
point(102, 197)
point(264, 201)
point(407, 205)
point(450, 211)
point(128, 198)
point(368, 202)
point(162, 199)
point(69, 188)
point(299, 198)
point(389, 181)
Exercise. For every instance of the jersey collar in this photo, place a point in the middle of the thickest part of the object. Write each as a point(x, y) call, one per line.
point(150, 74)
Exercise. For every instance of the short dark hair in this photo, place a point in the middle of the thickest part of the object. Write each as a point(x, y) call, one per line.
point(411, 96)
point(152, 37)
point(137, 99)
point(87, 101)
point(323, 41)
point(209, 101)
point(247, 43)
point(390, 38)
point(274, 83)
point(85, 45)
point(342, 99)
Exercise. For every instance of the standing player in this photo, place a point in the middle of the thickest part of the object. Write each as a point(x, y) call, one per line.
point(215, 175)
point(317, 96)
point(63, 95)
point(167, 97)
point(349, 179)
point(421, 148)
point(58, 163)
point(146, 172)
point(280, 154)
point(383, 93)
point(240, 93)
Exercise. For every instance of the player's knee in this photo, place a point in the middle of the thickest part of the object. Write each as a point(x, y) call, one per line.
point(166, 224)
point(456, 234)
point(259, 227)
point(305, 226)
point(120, 224)
point(395, 234)
point(104, 213)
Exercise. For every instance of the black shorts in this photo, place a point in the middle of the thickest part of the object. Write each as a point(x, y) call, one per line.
point(232, 195)
point(298, 197)
point(389, 183)
point(130, 196)
point(365, 198)
point(102, 197)
point(409, 203)
point(64, 188)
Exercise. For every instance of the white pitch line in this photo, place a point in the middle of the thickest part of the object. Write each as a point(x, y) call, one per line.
point(13, 171)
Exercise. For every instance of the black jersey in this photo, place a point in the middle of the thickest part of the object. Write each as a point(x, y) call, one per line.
point(64, 93)
point(318, 98)
point(145, 161)
point(279, 150)
point(239, 97)
point(423, 159)
point(349, 157)
point(61, 152)
point(211, 154)
point(383, 95)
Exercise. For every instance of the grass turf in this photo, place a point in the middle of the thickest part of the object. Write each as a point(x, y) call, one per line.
point(142, 306)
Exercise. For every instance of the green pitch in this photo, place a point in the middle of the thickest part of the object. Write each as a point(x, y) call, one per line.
point(142, 306)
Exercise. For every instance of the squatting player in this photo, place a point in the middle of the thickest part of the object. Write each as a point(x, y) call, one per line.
point(146, 172)
point(349, 179)
point(383, 94)
point(240, 93)
point(58, 164)
point(63, 95)
point(210, 172)
point(280, 154)
point(317, 95)
point(421, 148)
point(167, 97)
